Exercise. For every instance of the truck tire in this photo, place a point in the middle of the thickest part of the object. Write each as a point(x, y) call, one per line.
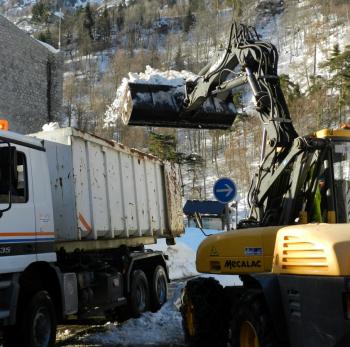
point(251, 325)
point(159, 288)
point(139, 294)
point(204, 313)
point(36, 326)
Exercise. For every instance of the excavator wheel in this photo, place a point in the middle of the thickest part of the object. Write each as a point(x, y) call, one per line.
point(251, 325)
point(204, 313)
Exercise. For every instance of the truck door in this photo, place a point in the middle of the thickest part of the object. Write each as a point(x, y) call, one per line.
point(17, 225)
point(44, 224)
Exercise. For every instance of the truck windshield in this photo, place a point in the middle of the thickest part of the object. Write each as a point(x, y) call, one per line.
point(341, 164)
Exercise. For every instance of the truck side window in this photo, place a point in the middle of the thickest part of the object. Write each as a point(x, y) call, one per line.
point(18, 188)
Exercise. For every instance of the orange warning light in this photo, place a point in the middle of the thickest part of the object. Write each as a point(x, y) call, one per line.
point(4, 124)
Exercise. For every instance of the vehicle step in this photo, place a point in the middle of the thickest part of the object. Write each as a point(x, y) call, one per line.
point(4, 314)
point(5, 284)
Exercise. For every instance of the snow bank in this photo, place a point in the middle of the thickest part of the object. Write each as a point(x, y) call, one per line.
point(50, 126)
point(162, 327)
point(121, 107)
point(49, 47)
point(181, 260)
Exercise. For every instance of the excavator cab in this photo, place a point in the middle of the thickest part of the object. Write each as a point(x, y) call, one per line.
point(331, 186)
point(325, 195)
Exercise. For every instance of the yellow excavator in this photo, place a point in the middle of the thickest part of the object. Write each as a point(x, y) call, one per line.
point(292, 253)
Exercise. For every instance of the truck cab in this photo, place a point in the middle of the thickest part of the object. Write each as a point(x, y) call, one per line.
point(26, 224)
point(75, 214)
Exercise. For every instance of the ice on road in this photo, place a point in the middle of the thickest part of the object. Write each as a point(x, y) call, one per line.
point(160, 328)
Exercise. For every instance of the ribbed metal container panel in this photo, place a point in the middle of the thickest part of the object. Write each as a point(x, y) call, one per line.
point(104, 190)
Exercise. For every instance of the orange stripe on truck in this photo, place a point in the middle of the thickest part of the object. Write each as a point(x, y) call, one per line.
point(85, 224)
point(38, 233)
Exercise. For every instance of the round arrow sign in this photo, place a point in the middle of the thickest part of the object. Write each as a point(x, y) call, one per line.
point(225, 190)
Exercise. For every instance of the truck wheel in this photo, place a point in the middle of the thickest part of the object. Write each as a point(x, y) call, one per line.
point(139, 295)
point(36, 325)
point(251, 325)
point(204, 313)
point(159, 288)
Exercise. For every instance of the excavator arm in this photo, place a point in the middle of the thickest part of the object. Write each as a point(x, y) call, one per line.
point(207, 102)
point(247, 59)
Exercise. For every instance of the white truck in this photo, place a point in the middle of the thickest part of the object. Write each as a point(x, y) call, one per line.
point(76, 212)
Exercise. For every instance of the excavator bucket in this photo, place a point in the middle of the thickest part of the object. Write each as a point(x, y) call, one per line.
point(163, 106)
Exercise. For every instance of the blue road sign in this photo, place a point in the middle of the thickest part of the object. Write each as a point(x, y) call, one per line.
point(225, 190)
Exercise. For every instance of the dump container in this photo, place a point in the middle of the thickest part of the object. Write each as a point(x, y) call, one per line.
point(104, 190)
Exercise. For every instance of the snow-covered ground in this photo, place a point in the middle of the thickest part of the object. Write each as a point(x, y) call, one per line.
point(151, 329)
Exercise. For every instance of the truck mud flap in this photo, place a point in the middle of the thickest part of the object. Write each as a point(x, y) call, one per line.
point(163, 106)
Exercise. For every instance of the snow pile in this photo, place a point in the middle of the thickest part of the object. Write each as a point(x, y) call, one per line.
point(49, 47)
point(50, 126)
point(181, 260)
point(121, 107)
point(162, 327)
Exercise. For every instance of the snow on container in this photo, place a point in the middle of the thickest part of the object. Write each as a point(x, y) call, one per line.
point(104, 190)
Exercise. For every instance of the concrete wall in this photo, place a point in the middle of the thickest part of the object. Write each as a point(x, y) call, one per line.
point(31, 80)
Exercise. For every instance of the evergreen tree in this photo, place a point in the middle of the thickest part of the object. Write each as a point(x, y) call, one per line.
point(290, 89)
point(89, 20)
point(188, 21)
point(179, 59)
point(120, 18)
point(104, 25)
point(85, 28)
point(40, 12)
point(339, 66)
point(163, 146)
point(45, 36)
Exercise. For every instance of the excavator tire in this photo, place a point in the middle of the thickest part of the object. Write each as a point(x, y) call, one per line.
point(204, 313)
point(251, 325)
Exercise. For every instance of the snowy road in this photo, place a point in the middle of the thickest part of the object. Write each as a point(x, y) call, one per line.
point(162, 328)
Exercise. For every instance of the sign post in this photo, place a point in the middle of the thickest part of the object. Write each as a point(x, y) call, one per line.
point(225, 191)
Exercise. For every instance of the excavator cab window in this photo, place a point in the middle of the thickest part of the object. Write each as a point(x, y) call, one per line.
point(320, 201)
point(341, 171)
point(323, 195)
